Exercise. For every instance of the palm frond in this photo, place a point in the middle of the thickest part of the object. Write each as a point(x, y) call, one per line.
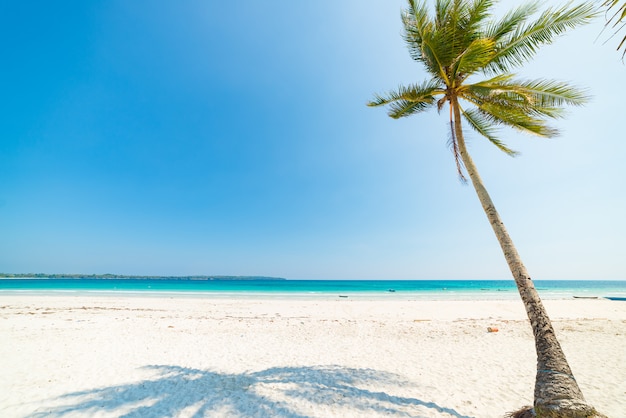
point(478, 54)
point(423, 40)
point(551, 93)
point(448, 21)
point(617, 19)
point(478, 12)
point(470, 26)
point(483, 126)
point(484, 87)
point(458, 25)
point(404, 108)
point(515, 118)
point(414, 17)
point(511, 21)
point(442, 11)
point(408, 100)
point(449, 15)
point(536, 97)
point(521, 44)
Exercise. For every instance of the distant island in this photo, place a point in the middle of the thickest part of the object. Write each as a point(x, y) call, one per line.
point(120, 276)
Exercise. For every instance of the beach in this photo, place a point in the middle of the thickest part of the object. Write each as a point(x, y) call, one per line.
point(176, 356)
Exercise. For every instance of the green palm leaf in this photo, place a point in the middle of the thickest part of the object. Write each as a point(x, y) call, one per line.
point(408, 100)
point(516, 118)
point(618, 19)
point(425, 44)
point(537, 97)
point(482, 125)
point(478, 54)
point(521, 44)
point(511, 21)
point(478, 12)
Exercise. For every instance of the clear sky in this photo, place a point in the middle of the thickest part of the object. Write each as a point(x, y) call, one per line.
point(220, 137)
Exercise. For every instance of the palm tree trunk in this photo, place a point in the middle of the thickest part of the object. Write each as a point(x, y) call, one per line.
point(556, 391)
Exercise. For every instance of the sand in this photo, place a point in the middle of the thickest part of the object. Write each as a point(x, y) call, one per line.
point(103, 356)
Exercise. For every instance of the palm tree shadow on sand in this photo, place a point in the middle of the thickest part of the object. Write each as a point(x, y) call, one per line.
point(284, 392)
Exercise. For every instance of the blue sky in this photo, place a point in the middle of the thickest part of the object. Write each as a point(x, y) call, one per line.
point(204, 137)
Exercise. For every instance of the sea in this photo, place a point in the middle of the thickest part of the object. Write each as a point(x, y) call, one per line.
point(312, 289)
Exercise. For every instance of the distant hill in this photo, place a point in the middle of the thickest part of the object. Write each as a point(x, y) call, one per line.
point(119, 276)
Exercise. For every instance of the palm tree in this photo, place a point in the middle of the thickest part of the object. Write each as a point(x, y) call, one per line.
point(616, 14)
point(457, 44)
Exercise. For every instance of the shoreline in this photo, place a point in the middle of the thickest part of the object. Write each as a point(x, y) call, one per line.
point(323, 305)
point(234, 357)
point(407, 296)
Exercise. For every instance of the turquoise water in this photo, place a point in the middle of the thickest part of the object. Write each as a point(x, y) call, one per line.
point(394, 289)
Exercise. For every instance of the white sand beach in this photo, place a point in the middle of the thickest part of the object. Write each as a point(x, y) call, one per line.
point(101, 356)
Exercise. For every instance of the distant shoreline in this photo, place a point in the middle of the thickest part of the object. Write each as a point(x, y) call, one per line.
point(44, 276)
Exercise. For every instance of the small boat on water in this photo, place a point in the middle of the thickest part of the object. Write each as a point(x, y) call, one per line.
point(615, 298)
point(391, 290)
